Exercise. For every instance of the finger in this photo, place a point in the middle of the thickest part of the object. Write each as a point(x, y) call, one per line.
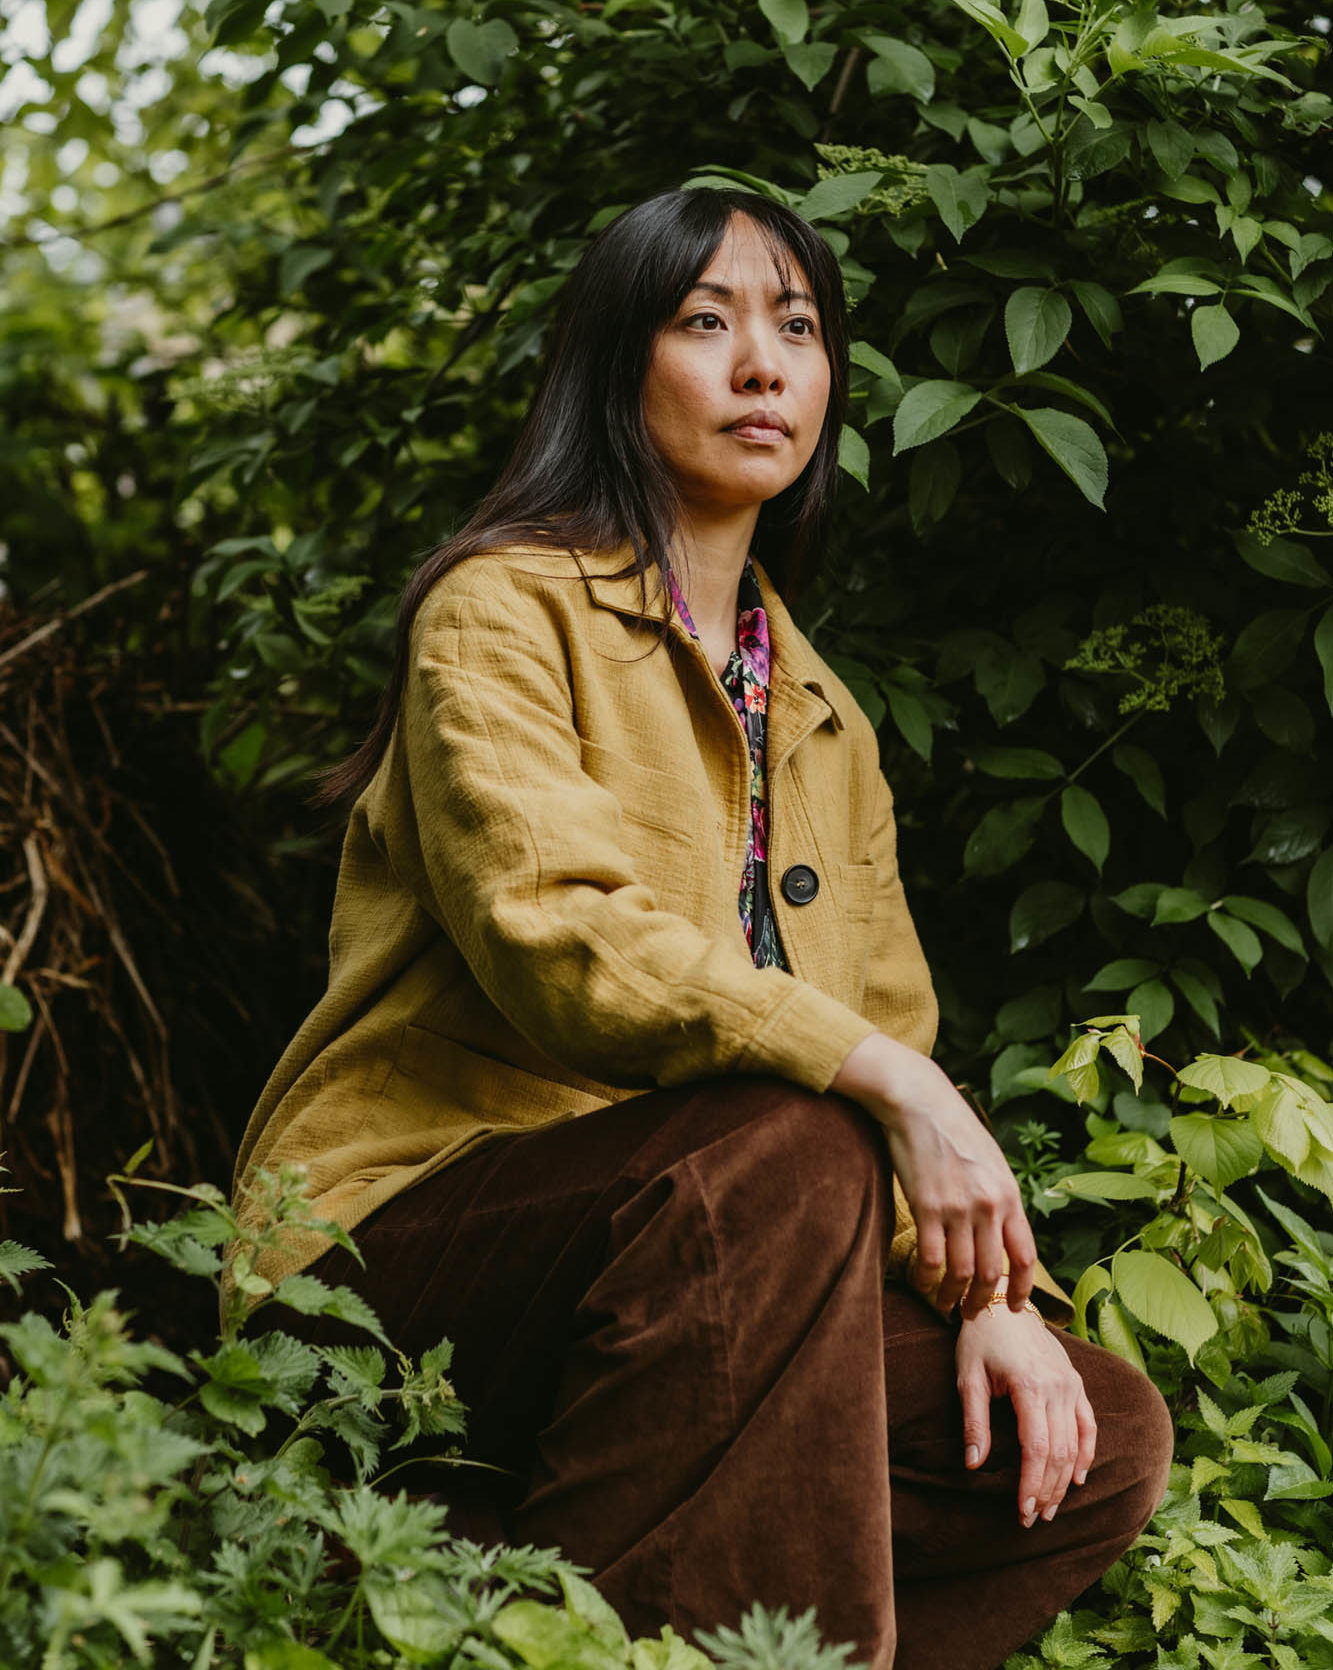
point(1035, 1447)
point(928, 1268)
point(960, 1264)
point(1087, 1436)
point(974, 1391)
point(989, 1251)
point(1063, 1429)
point(1022, 1251)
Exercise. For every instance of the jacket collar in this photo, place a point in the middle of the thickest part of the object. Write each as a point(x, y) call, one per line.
point(797, 673)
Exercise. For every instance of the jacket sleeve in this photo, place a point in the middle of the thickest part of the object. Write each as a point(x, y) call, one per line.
point(514, 849)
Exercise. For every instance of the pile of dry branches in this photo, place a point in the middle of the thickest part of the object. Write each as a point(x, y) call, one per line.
point(136, 918)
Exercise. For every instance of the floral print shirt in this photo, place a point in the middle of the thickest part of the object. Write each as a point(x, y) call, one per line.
point(745, 681)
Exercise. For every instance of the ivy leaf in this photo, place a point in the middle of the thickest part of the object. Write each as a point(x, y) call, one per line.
point(1073, 445)
point(1036, 322)
point(930, 409)
point(1222, 1151)
point(1043, 910)
point(960, 198)
point(480, 49)
point(1085, 823)
point(1163, 1297)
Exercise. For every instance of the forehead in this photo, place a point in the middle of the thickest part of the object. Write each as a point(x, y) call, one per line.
point(750, 257)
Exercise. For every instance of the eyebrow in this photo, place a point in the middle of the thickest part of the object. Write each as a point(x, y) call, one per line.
point(726, 293)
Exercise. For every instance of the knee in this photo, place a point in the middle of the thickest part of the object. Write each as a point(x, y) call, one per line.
point(1135, 1439)
point(829, 1152)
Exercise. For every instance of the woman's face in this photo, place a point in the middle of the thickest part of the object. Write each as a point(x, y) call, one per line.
point(738, 383)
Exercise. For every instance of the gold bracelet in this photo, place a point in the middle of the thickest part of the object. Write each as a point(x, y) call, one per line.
point(1001, 1297)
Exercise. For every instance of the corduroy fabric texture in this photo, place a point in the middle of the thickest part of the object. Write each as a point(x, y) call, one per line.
point(671, 1324)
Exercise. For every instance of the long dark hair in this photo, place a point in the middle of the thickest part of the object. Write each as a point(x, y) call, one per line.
point(584, 472)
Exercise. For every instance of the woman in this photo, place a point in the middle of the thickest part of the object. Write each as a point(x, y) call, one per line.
point(633, 1148)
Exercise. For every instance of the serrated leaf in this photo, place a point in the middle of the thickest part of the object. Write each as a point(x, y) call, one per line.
point(854, 455)
point(1240, 940)
point(1222, 1151)
point(1105, 1185)
point(961, 199)
point(1283, 559)
point(1036, 323)
point(1002, 837)
point(1073, 445)
point(1163, 1297)
point(1225, 1077)
point(1215, 334)
point(1267, 918)
point(1117, 1335)
point(838, 195)
point(930, 409)
point(1100, 307)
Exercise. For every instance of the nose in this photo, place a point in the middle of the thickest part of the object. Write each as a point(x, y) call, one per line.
point(757, 368)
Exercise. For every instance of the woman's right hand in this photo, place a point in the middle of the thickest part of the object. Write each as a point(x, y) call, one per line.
point(969, 1216)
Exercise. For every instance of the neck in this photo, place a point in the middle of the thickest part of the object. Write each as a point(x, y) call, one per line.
point(712, 558)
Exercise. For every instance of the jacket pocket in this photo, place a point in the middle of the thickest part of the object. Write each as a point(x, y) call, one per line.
point(857, 884)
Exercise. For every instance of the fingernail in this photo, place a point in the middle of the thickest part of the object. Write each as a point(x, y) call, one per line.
point(1048, 1514)
point(1030, 1509)
point(973, 1455)
point(1081, 1477)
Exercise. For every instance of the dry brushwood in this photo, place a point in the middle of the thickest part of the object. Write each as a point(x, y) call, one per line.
point(138, 921)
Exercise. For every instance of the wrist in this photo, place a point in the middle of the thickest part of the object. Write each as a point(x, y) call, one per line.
point(887, 1078)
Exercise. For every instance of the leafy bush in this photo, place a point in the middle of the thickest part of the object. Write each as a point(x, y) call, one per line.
point(162, 1511)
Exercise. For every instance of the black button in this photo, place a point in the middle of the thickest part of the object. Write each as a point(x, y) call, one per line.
point(799, 885)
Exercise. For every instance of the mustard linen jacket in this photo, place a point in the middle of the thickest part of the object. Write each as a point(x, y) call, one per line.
point(536, 911)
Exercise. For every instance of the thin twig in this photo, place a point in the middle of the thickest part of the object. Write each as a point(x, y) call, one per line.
point(52, 626)
point(36, 909)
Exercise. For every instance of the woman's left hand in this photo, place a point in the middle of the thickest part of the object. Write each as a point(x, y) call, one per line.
point(1006, 1354)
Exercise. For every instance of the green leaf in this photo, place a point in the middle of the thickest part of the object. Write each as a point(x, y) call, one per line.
point(1153, 1003)
point(1225, 1077)
point(1222, 1151)
point(1323, 644)
point(930, 409)
point(1144, 772)
point(1199, 998)
point(854, 455)
point(1036, 322)
point(15, 1010)
point(1120, 975)
point(1268, 919)
point(838, 195)
point(1033, 23)
point(1056, 384)
point(810, 61)
point(1017, 762)
point(933, 481)
point(299, 262)
point(996, 25)
point(1279, 1122)
point(1319, 899)
point(1073, 445)
point(1177, 284)
point(548, 1638)
point(1085, 823)
point(1002, 837)
point(480, 49)
point(1171, 145)
point(1241, 941)
point(1163, 1297)
point(912, 718)
point(960, 198)
point(1093, 1281)
point(789, 19)
point(899, 68)
point(1041, 911)
point(1283, 559)
point(282, 1654)
point(1117, 1335)
point(1215, 334)
point(1105, 1185)
point(1178, 904)
point(1078, 1065)
point(1289, 836)
point(1099, 306)
point(17, 1260)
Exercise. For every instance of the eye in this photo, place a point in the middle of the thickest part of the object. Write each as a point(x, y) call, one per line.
point(801, 326)
point(705, 321)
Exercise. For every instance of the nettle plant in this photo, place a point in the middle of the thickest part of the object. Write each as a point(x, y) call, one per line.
point(160, 1511)
point(1190, 1271)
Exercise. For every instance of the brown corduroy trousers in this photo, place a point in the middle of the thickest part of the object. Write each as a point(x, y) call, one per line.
point(671, 1324)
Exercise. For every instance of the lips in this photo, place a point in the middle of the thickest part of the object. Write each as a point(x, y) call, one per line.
point(760, 425)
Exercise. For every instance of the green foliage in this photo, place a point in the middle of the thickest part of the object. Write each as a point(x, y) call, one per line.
point(156, 1511)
